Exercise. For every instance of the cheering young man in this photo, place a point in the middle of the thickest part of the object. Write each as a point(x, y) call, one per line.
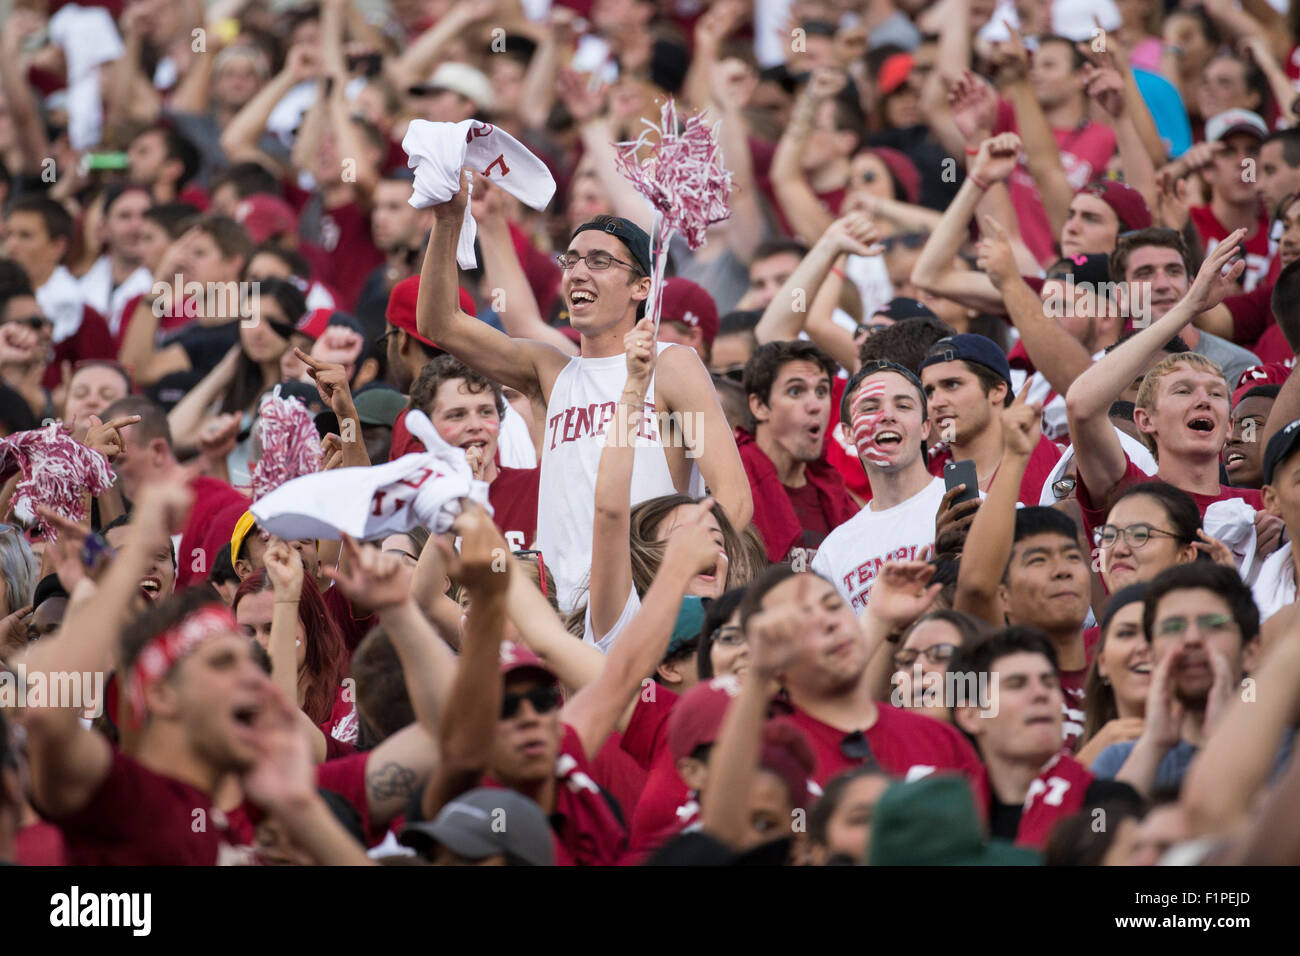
point(605, 285)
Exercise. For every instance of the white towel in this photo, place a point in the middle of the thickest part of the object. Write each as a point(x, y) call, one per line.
point(419, 490)
point(1232, 521)
point(437, 153)
point(88, 37)
point(1274, 588)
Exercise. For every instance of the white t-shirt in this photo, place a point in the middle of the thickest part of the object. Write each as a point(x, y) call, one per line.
point(852, 554)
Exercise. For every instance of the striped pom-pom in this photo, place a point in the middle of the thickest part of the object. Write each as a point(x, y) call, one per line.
point(290, 444)
point(57, 472)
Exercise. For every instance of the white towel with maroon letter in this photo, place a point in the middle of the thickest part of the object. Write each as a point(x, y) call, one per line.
point(419, 490)
point(438, 151)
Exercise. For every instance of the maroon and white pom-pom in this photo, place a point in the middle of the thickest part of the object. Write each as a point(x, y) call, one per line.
point(57, 471)
point(290, 444)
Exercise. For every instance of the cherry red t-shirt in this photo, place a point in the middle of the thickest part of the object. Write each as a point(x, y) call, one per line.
point(347, 251)
point(1041, 462)
point(1056, 793)
point(903, 743)
point(1212, 232)
point(346, 776)
point(140, 818)
point(209, 526)
point(40, 844)
point(584, 828)
point(513, 496)
point(353, 628)
point(657, 814)
point(92, 340)
point(1094, 517)
point(1255, 327)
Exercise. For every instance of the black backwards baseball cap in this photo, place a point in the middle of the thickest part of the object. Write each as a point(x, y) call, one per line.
point(872, 368)
point(633, 236)
point(969, 347)
point(900, 307)
point(1279, 448)
point(1091, 267)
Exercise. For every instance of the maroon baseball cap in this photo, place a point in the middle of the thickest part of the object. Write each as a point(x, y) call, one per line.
point(894, 72)
point(1127, 202)
point(697, 718)
point(900, 167)
point(264, 217)
point(314, 323)
point(518, 657)
point(689, 303)
point(1270, 373)
point(401, 308)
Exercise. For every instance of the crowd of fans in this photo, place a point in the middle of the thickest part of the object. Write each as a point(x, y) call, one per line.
point(943, 507)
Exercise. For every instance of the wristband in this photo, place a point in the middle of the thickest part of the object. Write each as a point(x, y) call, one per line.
point(972, 152)
point(983, 186)
point(837, 272)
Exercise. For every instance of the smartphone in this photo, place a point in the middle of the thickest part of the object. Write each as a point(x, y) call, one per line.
point(962, 473)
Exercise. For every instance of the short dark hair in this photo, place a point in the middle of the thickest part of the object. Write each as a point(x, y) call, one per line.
point(56, 219)
point(740, 322)
point(223, 572)
point(177, 146)
point(247, 179)
point(980, 657)
point(716, 613)
point(153, 420)
point(779, 247)
point(752, 602)
point(765, 364)
point(446, 368)
point(15, 414)
point(382, 698)
point(1165, 238)
point(1077, 59)
point(1224, 582)
point(1285, 293)
point(904, 342)
point(990, 380)
point(1290, 140)
point(1178, 505)
point(172, 216)
point(1039, 519)
point(298, 265)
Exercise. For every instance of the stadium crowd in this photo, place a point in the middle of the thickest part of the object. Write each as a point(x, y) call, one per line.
point(941, 506)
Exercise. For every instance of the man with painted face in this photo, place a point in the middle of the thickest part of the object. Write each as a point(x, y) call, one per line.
point(884, 408)
point(605, 285)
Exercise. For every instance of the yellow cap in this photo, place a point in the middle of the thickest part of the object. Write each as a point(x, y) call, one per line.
point(245, 524)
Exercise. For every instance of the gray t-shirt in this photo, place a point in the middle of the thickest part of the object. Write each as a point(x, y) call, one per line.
point(1233, 359)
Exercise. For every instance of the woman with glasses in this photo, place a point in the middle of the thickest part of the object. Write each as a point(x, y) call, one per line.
point(921, 660)
point(1119, 678)
point(1150, 527)
point(723, 650)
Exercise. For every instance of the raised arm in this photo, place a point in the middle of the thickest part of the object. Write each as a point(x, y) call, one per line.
point(1106, 89)
point(933, 271)
point(284, 568)
point(468, 728)
point(29, 131)
point(1059, 356)
point(747, 226)
point(798, 201)
point(595, 710)
point(785, 315)
point(419, 58)
point(239, 139)
point(683, 387)
point(332, 385)
point(520, 364)
point(1100, 457)
point(67, 761)
point(992, 532)
point(503, 274)
point(611, 550)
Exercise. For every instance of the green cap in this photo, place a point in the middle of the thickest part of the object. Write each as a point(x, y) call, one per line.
point(690, 621)
point(933, 822)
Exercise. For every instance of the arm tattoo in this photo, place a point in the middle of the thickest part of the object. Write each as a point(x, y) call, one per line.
point(390, 782)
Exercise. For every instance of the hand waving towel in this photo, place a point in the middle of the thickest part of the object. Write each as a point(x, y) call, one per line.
point(420, 490)
point(437, 153)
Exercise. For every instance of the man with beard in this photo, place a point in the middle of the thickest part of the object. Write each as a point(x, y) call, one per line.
point(1203, 628)
point(884, 408)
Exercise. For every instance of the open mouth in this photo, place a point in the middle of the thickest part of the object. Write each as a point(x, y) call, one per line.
point(151, 588)
point(1234, 460)
point(890, 439)
point(1143, 669)
point(581, 297)
point(246, 715)
point(1201, 424)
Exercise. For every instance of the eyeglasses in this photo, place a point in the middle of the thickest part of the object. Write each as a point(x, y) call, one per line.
point(855, 746)
point(543, 699)
point(863, 331)
point(937, 654)
point(908, 240)
point(1135, 534)
point(730, 637)
point(33, 322)
point(1063, 488)
point(596, 261)
point(1205, 623)
point(735, 373)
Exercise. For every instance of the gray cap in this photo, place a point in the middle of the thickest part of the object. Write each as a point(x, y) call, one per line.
point(484, 822)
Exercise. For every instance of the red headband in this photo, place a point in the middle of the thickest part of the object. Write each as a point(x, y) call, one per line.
point(162, 653)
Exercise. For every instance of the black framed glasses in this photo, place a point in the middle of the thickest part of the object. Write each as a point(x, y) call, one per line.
point(938, 654)
point(735, 373)
point(1063, 488)
point(908, 240)
point(855, 746)
point(596, 260)
point(543, 699)
point(1135, 534)
point(865, 330)
point(33, 322)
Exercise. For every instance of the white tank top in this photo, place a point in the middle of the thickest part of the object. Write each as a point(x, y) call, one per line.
point(582, 404)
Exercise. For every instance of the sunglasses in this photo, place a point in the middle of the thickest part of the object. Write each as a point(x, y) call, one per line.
point(543, 699)
point(33, 322)
point(909, 240)
point(734, 374)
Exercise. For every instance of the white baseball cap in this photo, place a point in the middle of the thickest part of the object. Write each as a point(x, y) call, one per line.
point(459, 78)
point(1234, 121)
